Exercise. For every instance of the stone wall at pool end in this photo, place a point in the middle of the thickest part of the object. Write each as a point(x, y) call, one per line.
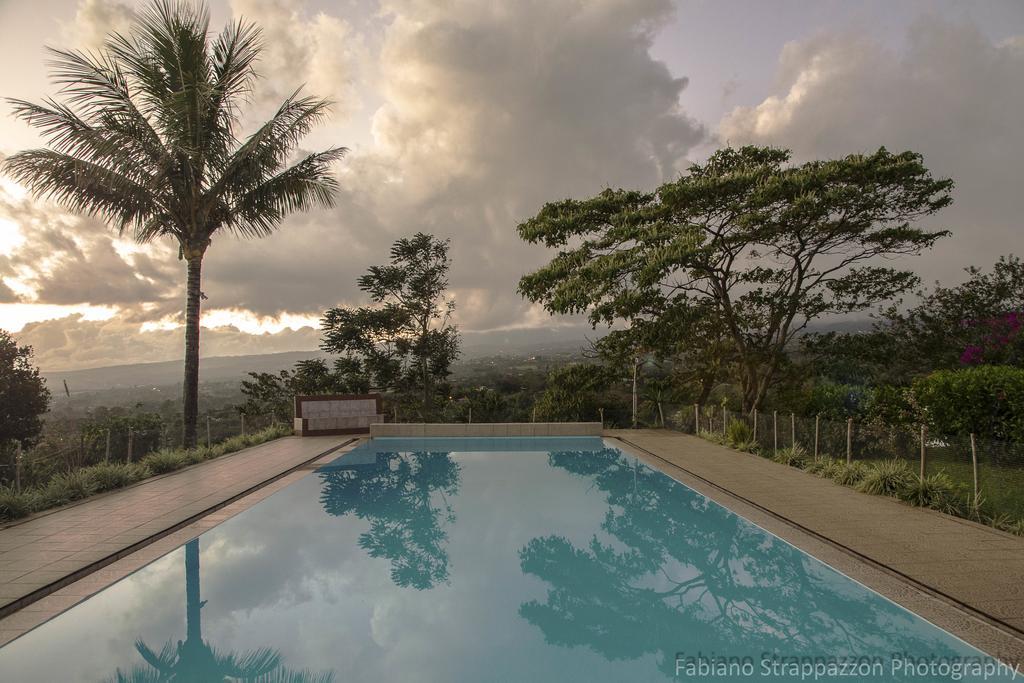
point(484, 429)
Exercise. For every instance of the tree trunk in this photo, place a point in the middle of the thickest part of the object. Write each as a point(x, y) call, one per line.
point(190, 387)
point(193, 603)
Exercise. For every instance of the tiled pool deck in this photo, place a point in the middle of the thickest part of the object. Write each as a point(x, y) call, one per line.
point(43, 553)
point(964, 577)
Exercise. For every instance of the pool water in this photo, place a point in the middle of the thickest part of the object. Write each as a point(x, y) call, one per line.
point(558, 559)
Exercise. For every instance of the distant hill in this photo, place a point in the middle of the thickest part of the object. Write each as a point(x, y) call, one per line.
point(234, 368)
point(213, 369)
point(535, 341)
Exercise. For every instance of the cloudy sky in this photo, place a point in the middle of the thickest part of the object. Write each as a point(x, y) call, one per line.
point(465, 116)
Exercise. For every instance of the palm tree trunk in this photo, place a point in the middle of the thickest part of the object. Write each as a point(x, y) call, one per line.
point(193, 619)
point(190, 391)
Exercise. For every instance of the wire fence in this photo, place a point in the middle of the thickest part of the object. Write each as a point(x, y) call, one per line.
point(73, 445)
point(986, 468)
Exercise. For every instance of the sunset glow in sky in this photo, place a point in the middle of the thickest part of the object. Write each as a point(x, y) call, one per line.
point(464, 117)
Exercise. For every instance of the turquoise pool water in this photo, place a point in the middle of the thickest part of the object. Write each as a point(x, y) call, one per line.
point(557, 559)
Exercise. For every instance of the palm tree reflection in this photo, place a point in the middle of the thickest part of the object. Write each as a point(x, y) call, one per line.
point(405, 498)
point(194, 660)
point(679, 573)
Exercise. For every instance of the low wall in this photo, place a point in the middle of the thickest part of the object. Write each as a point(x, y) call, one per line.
point(488, 429)
point(336, 414)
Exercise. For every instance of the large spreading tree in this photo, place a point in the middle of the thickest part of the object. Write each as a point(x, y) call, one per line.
point(146, 137)
point(404, 342)
point(746, 244)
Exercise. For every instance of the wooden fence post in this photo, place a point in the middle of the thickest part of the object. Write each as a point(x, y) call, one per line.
point(106, 451)
point(131, 435)
point(470, 413)
point(849, 439)
point(725, 419)
point(17, 466)
point(696, 418)
point(207, 430)
point(775, 428)
point(792, 430)
point(534, 418)
point(243, 424)
point(974, 463)
point(817, 420)
point(755, 425)
point(601, 413)
point(922, 451)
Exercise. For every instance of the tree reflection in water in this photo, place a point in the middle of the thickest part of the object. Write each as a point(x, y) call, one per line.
point(194, 660)
point(681, 574)
point(405, 498)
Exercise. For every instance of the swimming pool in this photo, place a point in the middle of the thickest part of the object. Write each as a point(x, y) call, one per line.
point(535, 559)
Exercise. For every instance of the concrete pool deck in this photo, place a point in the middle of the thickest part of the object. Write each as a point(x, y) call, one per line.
point(975, 569)
point(49, 550)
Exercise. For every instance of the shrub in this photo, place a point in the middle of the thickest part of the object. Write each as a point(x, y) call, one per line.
point(887, 478)
point(66, 488)
point(849, 474)
point(821, 466)
point(114, 475)
point(235, 443)
point(938, 492)
point(165, 460)
point(1016, 527)
point(13, 504)
point(737, 433)
point(987, 400)
point(794, 456)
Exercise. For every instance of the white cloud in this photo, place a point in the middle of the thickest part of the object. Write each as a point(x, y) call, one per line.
point(951, 94)
point(95, 20)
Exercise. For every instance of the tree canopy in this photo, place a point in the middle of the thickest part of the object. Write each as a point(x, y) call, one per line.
point(746, 246)
point(24, 397)
point(404, 342)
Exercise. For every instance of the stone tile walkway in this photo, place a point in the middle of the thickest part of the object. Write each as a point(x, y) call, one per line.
point(51, 550)
point(968, 563)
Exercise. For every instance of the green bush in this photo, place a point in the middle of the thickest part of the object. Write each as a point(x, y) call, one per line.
point(938, 492)
point(165, 460)
point(114, 475)
point(65, 488)
point(13, 504)
point(887, 478)
point(987, 400)
point(794, 456)
point(849, 474)
point(822, 466)
point(738, 432)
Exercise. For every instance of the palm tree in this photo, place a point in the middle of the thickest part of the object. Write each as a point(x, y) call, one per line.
point(196, 661)
point(145, 138)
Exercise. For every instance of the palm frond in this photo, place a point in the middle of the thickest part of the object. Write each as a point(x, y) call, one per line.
point(163, 662)
point(69, 134)
point(85, 187)
point(249, 665)
point(266, 150)
point(282, 675)
point(305, 185)
point(97, 86)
